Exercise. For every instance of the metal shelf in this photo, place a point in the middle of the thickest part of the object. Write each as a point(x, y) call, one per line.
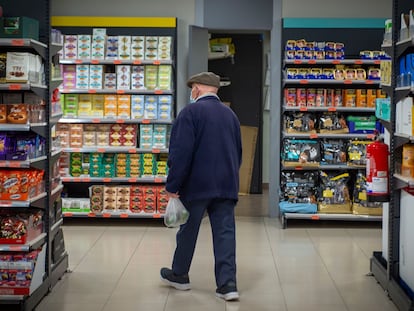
point(33, 244)
point(302, 82)
point(332, 61)
point(20, 127)
point(40, 90)
point(337, 217)
point(406, 181)
point(21, 164)
point(14, 203)
point(109, 149)
point(114, 62)
point(322, 167)
point(39, 47)
point(149, 179)
point(111, 91)
point(329, 109)
point(120, 121)
point(326, 135)
point(111, 215)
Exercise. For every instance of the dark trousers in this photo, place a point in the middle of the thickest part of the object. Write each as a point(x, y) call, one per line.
point(221, 214)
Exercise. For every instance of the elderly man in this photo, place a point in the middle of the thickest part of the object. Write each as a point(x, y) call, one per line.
point(204, 160)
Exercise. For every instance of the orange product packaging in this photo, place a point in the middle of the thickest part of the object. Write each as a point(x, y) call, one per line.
point(361, 98)
point(17, 113)
point(124, 106)
point(371, 97)
point(111, 106)
point(3, 114)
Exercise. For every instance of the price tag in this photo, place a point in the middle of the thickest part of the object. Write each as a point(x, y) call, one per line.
point(107, 179)
point(358, 62)
point(87, 179)
point(137, 62)
point(304, 81)
point(158, 92)
point(117, 62)
point(106, 215)
point(96, 120)
point(347, 81)
point(124, 215)
point(303, 108)
point(120, 91)
point(313, 136)
point(15, 248)
point(92, 91)
point(101, 150)
point(78, 61)
point(120, 121)
point(76, 150)
point(15, 87)
point(156, 215)
point(67, 214)
point(17, 42)
point(332, 109)
point(94, 61)
point(336, 62)
point(155, 150)
point(377, 62)
point(299, 168)
point(76, 179)
point(369, 82)
point(132, 180)
point(91, 215)
point(158, 180)
point(156, 62)
point(315, 217)
point(132, 151)
point(145, 121)
point(14, 163)
point(312, 62)
point(370, 136)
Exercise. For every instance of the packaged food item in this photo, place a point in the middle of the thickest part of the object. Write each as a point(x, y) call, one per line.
point(301, 152)
point(300, 123)
point(335, 193)
point(333, 152)
point(331, 122)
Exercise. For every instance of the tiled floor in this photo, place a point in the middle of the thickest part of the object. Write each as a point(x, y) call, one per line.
point(115, 267)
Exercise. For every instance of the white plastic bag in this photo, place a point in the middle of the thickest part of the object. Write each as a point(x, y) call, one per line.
point(176, 214)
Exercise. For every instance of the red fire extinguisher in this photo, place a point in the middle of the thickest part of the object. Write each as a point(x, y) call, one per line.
point(377, 172)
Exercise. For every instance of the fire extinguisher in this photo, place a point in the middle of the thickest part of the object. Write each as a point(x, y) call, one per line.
point(377, 172)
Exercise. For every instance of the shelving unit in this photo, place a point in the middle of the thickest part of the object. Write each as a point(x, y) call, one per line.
point(46, 270)
point(325, 85)
point(392, 266)
point(77, 186)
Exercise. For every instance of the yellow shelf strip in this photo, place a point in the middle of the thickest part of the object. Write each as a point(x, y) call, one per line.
point(110, 21)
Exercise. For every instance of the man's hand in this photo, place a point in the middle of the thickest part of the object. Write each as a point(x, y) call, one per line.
point(173, 195)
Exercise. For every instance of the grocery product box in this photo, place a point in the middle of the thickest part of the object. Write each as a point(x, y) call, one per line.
point(164, 48)
point(404, 116)
point(98, 43)
point(164, 107)
point(151, 107)
point(164, 77)
point(96, 77)
point(123, 77)
point(110, 81)
point(110, 106)
point(23, 67)
point(151, 48)
point(383, 109)
point(19, 27)
point(70, 47)
point(112, 47)
point(159, 136)
point(145, 138)
point(137, 47)
point(137, 107)
point(82, 76)
point(138, 77)
point(151, 77)
point(124, 47)
point(361, 98)
point(98, 104)
point(84, 46)
point(124, 106)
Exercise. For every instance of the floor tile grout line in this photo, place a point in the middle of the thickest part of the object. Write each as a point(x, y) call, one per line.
point(126, 266)
point(275, 263)
point(327, 270)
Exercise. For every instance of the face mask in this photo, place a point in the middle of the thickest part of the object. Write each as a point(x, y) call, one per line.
point(192, 99)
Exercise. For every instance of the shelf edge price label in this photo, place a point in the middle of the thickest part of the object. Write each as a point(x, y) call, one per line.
point(303, 109)
point(123, 215)
point(117, 62)
point(297, 62)
point(120, 121)
point(101, 150)
point(91, 215)
point(15, 248)
point(315, 217)
point(14, 164)
point(369, 82)
point(158, 92)
point(347, 81)
point(132, 180)
point(336, 62)
point(91, 91)
point(86, 179)
point(358, 62)
point(332, 109)
point(15, 87)
point(312, 62)
point(313, 136)
point(156, 151)
point(137, 62)
point(156, 215)
point(158, 180)
point(157, 62)
point(67, 214)
point(95, 61)
point(370, 136)
point(146, 121)
point(303, 81)
point(17, 42)
point(107, 179)
point(78, 61)
point(132, 151)
point(298, 168)
point(120, 91)
point(96, 120)
point(106, 215)
point(377, 62)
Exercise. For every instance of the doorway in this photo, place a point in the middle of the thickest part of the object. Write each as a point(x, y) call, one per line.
point(245, 92)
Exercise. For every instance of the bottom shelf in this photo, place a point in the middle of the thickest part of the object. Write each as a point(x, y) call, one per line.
point(338, 217)
point(394, 289)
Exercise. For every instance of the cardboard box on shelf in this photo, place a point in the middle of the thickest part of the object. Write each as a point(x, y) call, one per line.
point(249, 140)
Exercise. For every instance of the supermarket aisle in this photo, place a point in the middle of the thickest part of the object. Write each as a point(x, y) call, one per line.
point(306, 267)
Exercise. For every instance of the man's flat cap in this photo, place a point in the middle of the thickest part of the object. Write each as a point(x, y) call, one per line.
point(206, 78)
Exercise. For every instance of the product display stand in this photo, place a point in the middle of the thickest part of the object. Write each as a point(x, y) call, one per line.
point(387, 265)
point(100, 159)
point(304, 81)
point(34, 253)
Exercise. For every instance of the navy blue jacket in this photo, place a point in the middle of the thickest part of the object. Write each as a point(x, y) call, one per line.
point(205, 152)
